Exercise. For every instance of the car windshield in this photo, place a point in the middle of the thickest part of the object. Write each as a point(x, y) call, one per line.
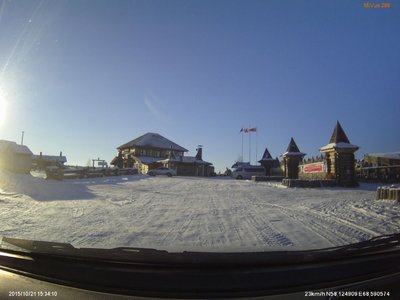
point(144, 123)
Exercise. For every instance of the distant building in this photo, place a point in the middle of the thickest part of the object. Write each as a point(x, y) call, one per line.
point(380, 167)
point(15, 158)
point(41, 161)
point(382, 159)
point(190, 165)
point(152, 150)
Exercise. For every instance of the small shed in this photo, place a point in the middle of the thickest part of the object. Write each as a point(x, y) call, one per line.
point(15, 158)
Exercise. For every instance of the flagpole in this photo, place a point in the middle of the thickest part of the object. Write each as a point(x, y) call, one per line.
point(242, 143)
point(250, 146)
point(256, 143)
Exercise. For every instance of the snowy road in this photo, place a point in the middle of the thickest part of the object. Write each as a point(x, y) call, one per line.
point(182, 213)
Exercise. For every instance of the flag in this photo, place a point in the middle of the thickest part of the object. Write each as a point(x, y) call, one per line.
point(249, 129)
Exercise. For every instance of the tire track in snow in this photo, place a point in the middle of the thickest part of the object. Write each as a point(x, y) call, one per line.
point(360, 213)
point(266, 234)
point(327, 225)
point(370, 216)
point(354, 228)
point(291, 214)
point(310, 224)
point(216, 228)
point(260, 228)
point(174, 234)
point(347, 213)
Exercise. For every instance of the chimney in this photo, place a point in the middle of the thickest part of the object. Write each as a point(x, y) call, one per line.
point(199, 155)
point(60, 153)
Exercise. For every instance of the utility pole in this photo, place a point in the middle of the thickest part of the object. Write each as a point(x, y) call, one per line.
point(22, 138)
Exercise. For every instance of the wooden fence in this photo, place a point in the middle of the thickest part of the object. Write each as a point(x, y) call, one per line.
point(379, 173)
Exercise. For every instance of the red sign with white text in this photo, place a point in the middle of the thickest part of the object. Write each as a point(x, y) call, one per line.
point(313, 168)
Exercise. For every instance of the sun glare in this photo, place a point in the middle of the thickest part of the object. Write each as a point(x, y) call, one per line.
point(3, 108)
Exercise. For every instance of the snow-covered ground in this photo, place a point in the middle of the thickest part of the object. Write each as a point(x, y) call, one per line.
point(183, 213)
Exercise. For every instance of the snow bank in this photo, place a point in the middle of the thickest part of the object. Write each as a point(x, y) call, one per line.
point(40, 189)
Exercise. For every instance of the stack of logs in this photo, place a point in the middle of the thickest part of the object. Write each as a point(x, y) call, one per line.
point(389, 193)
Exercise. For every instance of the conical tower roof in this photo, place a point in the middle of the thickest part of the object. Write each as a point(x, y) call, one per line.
point(266, 156)
point(292, 149)
point(339, 140)
point(338, 135)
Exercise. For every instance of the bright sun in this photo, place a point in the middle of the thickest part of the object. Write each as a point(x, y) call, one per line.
point(3, 109)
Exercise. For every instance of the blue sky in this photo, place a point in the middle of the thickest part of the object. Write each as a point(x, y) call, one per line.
point(84, 77)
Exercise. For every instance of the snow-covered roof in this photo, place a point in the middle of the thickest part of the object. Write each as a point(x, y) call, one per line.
point(292, 149)
point(170, 160)
point(193, 159)
point(389, 155)
point(185, 160)
point(288, 153)
point(154, 140)
point(340, 145)
point(147, 159)
point(339, 140)
point(14, 147)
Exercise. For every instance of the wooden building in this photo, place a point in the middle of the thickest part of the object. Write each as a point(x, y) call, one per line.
point(41, 162)
point(190, 165)
point(382, 159)
point(292, 158)
point(339, 157)
point(15, 158)
point(152, 150)
point(384, 167)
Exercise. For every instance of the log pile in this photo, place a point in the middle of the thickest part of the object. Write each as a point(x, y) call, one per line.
point(388, 193)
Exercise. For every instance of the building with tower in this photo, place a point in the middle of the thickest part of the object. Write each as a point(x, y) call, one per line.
point(152, 150)
point(336, 163)
point(271, 165)
point(291, 159)
point(339, 157)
